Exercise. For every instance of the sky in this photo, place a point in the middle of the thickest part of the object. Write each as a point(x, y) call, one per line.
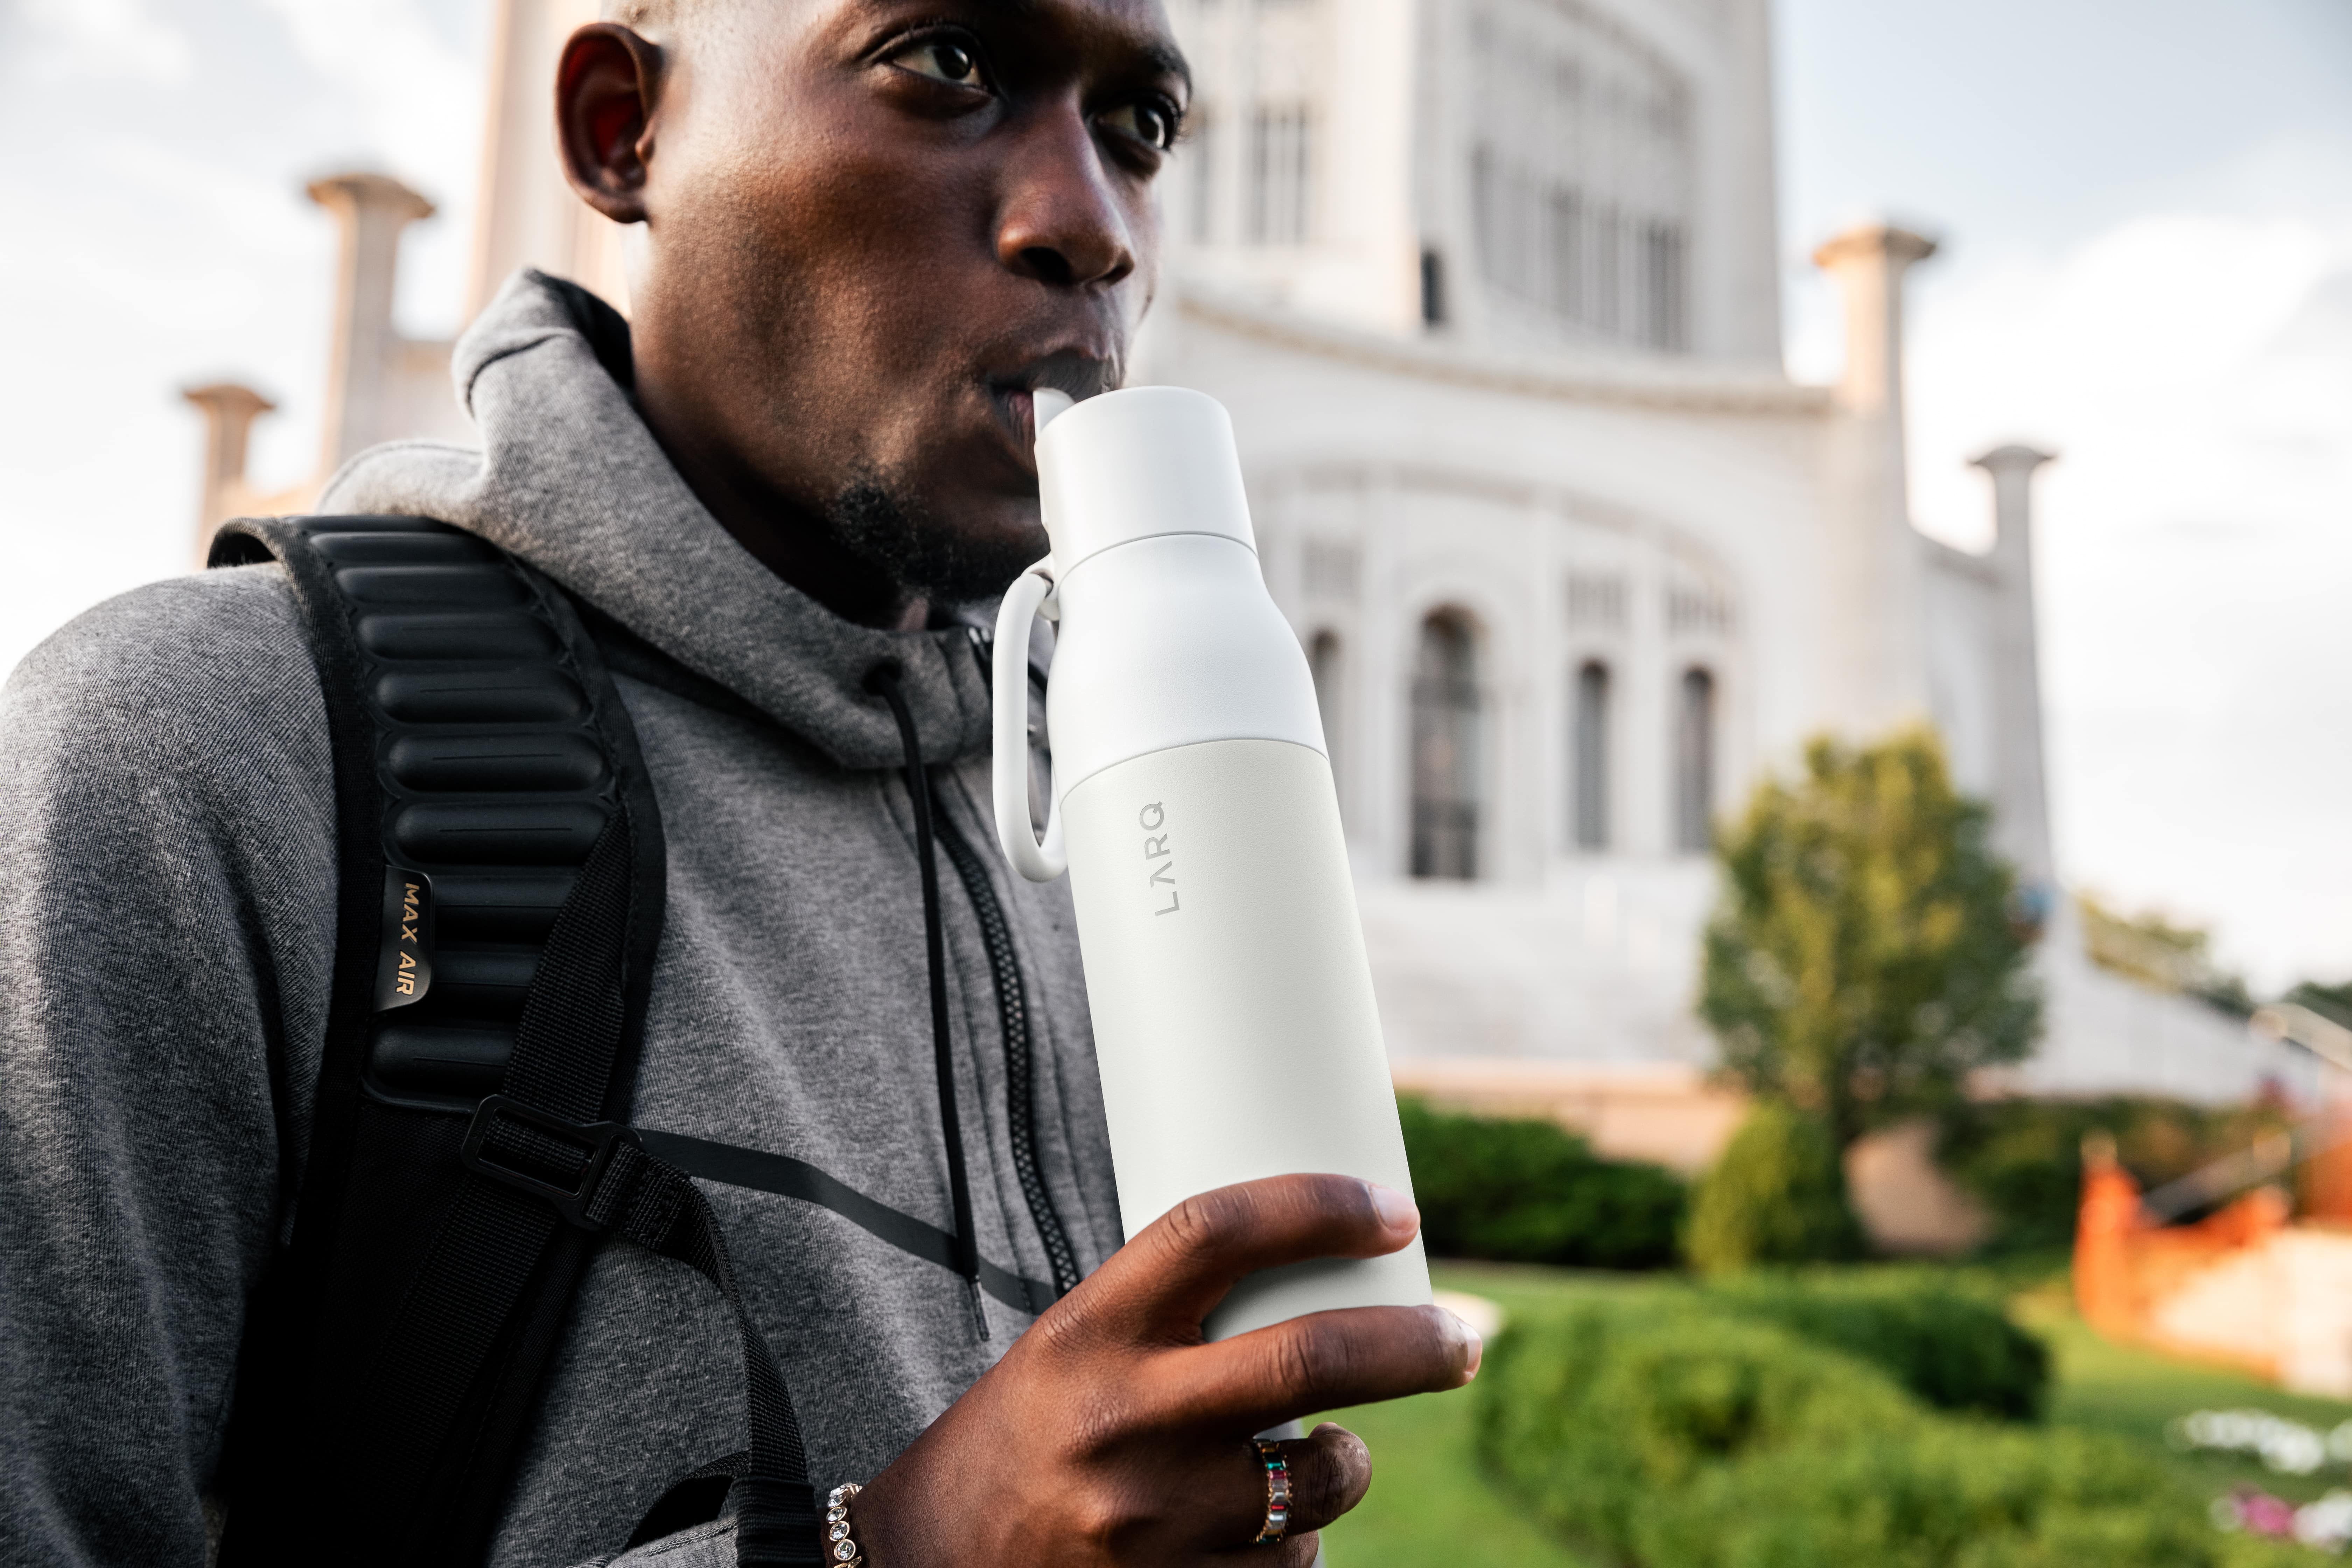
point(2145, 208)
point(2145, 211)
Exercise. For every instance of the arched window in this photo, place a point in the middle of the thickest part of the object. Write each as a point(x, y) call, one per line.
point(1445, 749)
point(1589, 801)
point(1323, 663)
point(1694, 764)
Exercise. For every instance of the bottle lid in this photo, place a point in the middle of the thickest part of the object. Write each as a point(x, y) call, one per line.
point(1135, 464)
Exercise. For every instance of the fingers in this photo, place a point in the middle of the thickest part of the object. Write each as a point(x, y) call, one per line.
point(1329, 1470)
point(1169, 1278)
point(1323, 1360)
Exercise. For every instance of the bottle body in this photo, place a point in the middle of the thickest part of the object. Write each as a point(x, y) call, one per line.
point(1232, 1002)
point(1193, 807)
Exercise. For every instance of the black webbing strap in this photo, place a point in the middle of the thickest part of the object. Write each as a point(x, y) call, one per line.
point(655, 1205)
point(786, 1177)
point(458, 1304)
point(692, 1499)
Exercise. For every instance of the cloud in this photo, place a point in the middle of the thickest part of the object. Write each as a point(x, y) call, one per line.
point(104, 38)
point(419, 90)
point(2193, 370)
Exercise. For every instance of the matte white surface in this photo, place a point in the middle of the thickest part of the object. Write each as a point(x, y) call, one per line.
point(1233, 1005)
point(1168, 642)
point(1133, 464)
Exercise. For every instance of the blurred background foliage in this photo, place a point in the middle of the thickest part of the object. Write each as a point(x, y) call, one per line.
point(1531, 1192)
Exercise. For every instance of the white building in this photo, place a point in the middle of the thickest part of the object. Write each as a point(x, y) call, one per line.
point(1491, 289)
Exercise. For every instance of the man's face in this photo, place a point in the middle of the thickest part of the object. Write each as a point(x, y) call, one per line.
point(874, 226)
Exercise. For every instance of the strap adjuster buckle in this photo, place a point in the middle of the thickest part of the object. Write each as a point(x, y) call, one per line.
point(597, 1141)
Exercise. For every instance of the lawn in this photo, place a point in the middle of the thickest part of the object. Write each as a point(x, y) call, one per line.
point(1430, 1503)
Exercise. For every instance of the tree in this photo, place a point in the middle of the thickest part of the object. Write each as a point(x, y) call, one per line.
point(1862, 960)
point(1778, 1196)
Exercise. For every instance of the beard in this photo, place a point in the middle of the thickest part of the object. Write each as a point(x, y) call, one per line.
point(923, 555)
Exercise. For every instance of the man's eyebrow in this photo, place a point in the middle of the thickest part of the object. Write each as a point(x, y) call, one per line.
point(1159, 54)
point(1170, 60)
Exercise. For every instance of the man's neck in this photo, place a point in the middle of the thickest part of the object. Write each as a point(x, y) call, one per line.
point(781, 536)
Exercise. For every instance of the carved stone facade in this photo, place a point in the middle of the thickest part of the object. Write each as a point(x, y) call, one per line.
point(1491, 289)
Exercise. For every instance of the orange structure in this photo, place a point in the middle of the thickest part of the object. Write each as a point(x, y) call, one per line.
point(2131, 1273)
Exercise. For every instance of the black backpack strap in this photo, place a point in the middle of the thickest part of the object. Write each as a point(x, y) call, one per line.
point(500, 897)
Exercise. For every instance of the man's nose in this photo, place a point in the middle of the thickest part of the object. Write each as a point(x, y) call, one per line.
point(1062, 221)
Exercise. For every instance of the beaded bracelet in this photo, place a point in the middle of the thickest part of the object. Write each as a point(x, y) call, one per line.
point(841, 1550)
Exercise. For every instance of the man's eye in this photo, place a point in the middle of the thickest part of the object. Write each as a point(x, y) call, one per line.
point(941, 60)
point(1148, 123)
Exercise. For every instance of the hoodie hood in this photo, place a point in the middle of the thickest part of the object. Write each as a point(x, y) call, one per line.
point(569, 478)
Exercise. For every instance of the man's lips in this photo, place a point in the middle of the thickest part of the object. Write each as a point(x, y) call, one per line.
point(1080, 375)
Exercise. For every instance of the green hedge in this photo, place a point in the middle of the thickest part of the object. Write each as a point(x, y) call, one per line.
point(1777, 1196)
point(1529, 1192)
point(1664, 1431)
point(1952, 1350)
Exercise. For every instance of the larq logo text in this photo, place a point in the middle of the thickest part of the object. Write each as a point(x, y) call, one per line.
point(1155, 849)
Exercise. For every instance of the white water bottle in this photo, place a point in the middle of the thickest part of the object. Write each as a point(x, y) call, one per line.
point(1192, 803)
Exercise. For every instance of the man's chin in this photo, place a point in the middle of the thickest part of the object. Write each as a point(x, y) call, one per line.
point(925, 554)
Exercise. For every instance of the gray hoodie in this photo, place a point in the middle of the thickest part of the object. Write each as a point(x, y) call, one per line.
point(167, 871)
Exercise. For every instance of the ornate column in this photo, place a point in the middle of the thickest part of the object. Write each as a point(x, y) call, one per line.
point(1878, 650)
point(2020, 828)
point(363, 402)
point(229, 411)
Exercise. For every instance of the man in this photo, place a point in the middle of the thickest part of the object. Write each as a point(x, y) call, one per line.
point(874, 226)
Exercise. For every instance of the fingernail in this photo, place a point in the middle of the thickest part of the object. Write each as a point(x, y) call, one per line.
point(1396, 1210)
point(1476, 1344)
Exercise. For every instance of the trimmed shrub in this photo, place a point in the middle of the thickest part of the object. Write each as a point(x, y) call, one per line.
point(1777, 1196)
point(1596, 1416)
point(1949, 1349)
point(1663, 1431)
point(1949, 1493)
point(1530, 1191)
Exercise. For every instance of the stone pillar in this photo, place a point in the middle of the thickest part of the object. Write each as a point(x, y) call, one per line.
point(1878, 645)
point(229, 411)
point(363, 402)
point(528, 215)
point(2020, 828)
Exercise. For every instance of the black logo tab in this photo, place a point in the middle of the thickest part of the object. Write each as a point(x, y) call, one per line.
point(404, 971)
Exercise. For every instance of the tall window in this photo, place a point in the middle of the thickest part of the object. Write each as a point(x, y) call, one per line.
point(1580, 174)
point(1445, 749)
point(1323, 663)
point(1591, 756)
point(1281, 166)
point(1694, 764)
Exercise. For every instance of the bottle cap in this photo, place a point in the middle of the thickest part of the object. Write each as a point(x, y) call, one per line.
point(1137, 464)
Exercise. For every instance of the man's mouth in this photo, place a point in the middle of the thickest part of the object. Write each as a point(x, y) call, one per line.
point(1081, 376)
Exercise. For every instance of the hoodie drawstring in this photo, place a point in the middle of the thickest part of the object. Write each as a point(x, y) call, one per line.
point(884, 681)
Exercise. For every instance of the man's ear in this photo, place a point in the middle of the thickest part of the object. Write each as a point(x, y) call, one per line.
point(605, 90)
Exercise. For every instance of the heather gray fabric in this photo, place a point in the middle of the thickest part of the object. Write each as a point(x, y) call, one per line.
point(167, 929)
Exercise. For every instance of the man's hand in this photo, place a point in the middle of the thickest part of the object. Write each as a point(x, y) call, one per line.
point(1111, 1434)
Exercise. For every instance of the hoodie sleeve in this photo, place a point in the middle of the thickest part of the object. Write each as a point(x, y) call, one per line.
point(166, 939)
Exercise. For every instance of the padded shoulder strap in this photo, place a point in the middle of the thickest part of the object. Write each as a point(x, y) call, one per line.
point(495, 820)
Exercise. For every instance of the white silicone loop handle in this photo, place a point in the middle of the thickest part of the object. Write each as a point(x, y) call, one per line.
point(1009, 675)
